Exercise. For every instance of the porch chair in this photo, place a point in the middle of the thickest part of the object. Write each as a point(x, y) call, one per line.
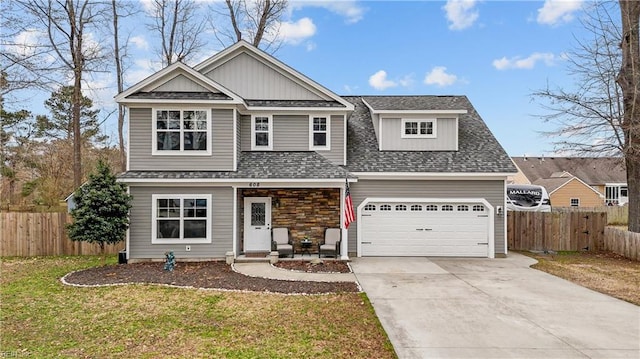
point(281, 241)
point(330, 244)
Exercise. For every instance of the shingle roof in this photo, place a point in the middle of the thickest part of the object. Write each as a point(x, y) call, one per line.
point(293, 103)
point(259, 165)
point(171, 95)
point(478, 152)
point(404, 103)
point(552, 184)
point(591, 170)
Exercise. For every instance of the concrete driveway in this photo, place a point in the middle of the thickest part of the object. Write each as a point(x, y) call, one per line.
point(493, 308)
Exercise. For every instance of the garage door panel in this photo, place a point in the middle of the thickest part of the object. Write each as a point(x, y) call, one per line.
point(435, 232)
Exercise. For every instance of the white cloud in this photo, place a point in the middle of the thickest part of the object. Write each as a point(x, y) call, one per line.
point(461, 13)
point(25, 43)
point(554, 12)
point(140, 42)
point(349, 9)
point(439, 76)
point(530, 62)
point(296, 32)
point(311, 45)
point(380, 82)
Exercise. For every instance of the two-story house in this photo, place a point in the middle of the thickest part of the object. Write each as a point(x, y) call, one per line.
point(222, 152)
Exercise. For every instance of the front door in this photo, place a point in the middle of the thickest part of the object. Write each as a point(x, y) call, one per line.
point(257, 224)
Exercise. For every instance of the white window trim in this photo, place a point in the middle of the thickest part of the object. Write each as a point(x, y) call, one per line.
point(253, 133)
point(154, 219)
point(327, 147)
point(432, 120)
point(574, 199)
point(154, 141)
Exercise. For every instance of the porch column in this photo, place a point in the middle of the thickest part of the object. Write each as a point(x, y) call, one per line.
point(344, 254)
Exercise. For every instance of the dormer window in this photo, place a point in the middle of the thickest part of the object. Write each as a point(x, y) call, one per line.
point(319, 133)
point(418, 128)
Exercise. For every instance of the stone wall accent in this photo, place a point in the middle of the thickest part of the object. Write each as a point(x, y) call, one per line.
point(305, 211)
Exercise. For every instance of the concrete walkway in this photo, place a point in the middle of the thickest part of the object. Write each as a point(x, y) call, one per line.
point(493, 308)
point(266, 270)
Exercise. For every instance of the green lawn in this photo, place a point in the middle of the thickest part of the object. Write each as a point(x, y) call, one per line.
point(42, 318)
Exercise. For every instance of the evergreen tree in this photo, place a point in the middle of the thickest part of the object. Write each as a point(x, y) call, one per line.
point(60, 124)
point(102, 208)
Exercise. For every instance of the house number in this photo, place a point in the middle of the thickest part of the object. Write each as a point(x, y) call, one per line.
point(254, 184)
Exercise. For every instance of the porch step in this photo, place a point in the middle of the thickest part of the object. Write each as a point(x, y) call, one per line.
point(243, 259)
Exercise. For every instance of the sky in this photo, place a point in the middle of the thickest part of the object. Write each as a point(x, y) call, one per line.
point(497, 53)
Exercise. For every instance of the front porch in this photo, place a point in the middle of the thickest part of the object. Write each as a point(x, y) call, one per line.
point(306, 212)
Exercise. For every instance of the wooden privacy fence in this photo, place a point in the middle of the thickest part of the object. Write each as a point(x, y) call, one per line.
point(622, 242)
point(615, 214)
point(560, 231)
point(42, 234)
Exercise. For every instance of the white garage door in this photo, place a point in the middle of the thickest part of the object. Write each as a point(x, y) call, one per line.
point(425, 229)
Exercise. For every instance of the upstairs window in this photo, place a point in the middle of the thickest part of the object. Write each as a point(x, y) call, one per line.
point(418, 128)
point(182, 132)
point(574, 202)
point(319, 133)
point(261, 133)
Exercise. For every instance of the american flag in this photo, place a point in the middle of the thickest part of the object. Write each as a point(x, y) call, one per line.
point(349, 215)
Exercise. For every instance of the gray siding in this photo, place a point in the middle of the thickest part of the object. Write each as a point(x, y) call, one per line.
point(181, 84)
point(291, 133)
point(252, 79)
point(141, 134)
point(140, 246)
point(492, 191)
point(392, 137)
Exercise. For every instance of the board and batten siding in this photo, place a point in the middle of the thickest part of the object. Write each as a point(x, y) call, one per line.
point(250, 78)
point(492, 191)
point(291, 133)
point(446, 132)
point(140, 246)
point(181, 84)
point(140, 145)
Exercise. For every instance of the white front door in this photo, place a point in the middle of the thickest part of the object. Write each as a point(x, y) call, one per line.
point(257, 224)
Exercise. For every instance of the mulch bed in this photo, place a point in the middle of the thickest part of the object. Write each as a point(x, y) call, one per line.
point(309, 267)
point(213, 275)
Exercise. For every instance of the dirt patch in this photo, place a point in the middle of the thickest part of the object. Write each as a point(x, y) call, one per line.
point(605, 272)
point(216, 275)
point(309, 267)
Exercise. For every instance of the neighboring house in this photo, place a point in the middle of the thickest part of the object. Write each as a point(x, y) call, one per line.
point(222, 152)
point(605, 175)
point(567, 190)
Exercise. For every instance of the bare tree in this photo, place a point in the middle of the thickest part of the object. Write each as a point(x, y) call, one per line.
point(119, 52)
point(257, 21)
point(588, 117)
point(629, 81)
point(600, 116)
point(67, 26)
point(180, 28)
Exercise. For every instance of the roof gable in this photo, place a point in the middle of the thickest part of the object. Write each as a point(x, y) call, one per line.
point(235, 66)
point(175, 79)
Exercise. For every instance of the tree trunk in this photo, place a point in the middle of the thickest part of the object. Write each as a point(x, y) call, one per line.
point(629, 81)
point(76, 34)
point(116, 53)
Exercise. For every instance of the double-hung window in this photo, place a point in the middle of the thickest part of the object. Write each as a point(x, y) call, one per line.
point(181, 219)
point(574, 202)
point(261, 132)
point(418, 128)
point(319, 133)
point(182, 132)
